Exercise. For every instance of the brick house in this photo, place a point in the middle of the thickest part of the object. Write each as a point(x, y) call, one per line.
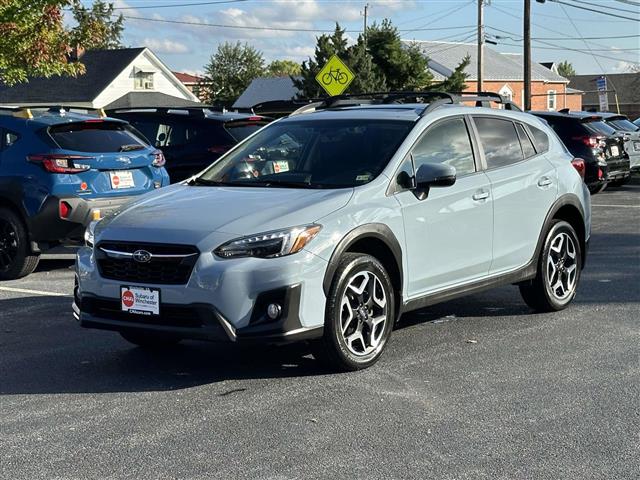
point(196, 84)
point(503, 73)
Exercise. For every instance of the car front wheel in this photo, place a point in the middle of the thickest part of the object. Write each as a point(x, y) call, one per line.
point(559, 267)
point(359, 316)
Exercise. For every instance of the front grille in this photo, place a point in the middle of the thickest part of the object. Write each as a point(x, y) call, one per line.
point(174, 268)
point(170, 315)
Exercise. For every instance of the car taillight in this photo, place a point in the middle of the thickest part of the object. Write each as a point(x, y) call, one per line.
point(64, 209)
point(158, 159)
point(55, 163)
point(579, 165)
point(593, 142)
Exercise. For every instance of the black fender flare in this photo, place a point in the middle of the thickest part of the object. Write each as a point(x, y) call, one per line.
point(564, 200)
point(378, 231)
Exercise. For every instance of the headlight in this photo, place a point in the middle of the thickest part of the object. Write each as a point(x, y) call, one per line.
point(89, 233)
point(277, 243)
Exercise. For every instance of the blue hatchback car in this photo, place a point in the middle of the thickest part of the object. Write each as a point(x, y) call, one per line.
point(58, 171)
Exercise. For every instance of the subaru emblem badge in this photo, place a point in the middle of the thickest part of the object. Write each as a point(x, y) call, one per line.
point(142, 256)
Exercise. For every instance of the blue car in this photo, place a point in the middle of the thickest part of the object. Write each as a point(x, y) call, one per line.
point(59, 170)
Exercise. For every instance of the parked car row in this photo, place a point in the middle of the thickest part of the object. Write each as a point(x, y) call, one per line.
point(61, 168)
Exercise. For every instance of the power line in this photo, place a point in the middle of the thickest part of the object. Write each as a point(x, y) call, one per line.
point(176, 5)
point(609, 7)
point(434, 20)
point(272, 29)
point(593, 10)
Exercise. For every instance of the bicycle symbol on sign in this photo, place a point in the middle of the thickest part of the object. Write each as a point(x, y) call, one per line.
point(335, 75)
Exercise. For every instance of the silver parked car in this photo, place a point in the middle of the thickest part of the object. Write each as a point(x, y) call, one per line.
point(328, 225)
point(631, 133)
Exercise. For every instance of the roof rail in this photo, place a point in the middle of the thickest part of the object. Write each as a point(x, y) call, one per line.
point(434, 98)
point(198, 111)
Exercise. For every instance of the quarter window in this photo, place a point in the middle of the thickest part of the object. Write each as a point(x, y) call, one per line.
point(447, 142)
point(500, 142)
point(525, 142)
point(540, 138)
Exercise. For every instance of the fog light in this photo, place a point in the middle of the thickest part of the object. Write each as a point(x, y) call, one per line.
point(273, 311)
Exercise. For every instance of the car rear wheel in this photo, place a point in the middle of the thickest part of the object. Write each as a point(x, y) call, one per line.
point(359, 316)
point(150, 340)
point(16, 260)
point(559, 268)
point(597, 188)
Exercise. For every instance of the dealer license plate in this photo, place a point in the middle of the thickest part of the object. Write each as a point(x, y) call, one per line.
point(140, 300)
point(121, 180)
point(614, 151)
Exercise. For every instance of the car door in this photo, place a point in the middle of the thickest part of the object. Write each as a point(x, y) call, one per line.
point(523, 186)
point(448, 234)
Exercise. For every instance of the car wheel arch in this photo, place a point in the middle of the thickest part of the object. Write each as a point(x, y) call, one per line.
point(567, 208)
point(377, 240)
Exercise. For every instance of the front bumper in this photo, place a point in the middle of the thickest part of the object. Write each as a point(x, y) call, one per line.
point(223, 300)
point(47, 226)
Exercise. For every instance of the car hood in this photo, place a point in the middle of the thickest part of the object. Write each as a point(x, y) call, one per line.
point(190, 214)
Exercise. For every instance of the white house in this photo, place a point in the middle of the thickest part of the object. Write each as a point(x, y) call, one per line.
point(127, 77)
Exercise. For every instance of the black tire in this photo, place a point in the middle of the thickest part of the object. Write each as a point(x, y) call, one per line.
point(597, 188)
point(332, 348)
point(150, 340)
point(539, 293)
point(16, 259)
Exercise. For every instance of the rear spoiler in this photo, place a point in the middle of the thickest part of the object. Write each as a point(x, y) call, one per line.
point(27, 111)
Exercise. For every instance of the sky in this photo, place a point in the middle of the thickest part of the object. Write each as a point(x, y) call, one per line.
point(557, 30)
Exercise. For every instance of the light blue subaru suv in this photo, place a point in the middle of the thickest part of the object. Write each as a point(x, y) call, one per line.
point(328, 225)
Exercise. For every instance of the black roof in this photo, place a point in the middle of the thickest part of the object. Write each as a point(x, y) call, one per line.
point(102, 67)
point(570, 114)
point(150, 99)
point(626, 86)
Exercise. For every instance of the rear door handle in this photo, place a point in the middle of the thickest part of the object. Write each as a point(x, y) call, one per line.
point(544, 182)
point(481, 195)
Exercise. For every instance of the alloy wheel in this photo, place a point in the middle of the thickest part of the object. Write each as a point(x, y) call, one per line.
point(562, 266)
point(8, 244)
point(363, 313)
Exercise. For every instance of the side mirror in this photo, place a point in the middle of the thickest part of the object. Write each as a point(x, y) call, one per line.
point(433, 175)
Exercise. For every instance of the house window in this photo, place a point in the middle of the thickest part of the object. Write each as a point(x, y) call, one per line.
point(551, 100)
point(143, 81)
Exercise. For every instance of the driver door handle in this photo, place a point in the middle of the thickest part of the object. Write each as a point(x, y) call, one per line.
point(544, 182)
point(480, 195)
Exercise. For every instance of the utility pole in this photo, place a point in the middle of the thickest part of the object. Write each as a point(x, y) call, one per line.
point(480, 45)
point(364, 31)
point(527, 54)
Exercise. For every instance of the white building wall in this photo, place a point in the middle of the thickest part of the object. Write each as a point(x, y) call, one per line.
point(124, 82)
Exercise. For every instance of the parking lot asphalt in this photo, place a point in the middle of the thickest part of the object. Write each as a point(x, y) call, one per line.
point(473, 388)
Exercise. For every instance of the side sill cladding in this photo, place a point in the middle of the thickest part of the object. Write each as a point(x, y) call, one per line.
point(377, 231)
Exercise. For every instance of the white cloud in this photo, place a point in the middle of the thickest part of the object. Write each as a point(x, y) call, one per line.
point(165, 45)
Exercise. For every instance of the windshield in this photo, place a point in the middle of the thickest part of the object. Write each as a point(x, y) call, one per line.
point(599, 127)
point(97, 136)
point(624, 125)
point(311, 154)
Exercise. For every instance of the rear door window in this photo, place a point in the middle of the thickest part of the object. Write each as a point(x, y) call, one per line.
point(499, 141)
point(96, 136)
point(446, 142)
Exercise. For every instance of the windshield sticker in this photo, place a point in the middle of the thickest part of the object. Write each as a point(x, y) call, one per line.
point(363, 178)
point(281, 166)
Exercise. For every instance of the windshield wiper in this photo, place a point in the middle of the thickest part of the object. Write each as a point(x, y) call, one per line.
point(204, 181)
point(131, 147)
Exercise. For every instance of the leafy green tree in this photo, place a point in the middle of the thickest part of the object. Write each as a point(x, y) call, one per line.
point(97, 29)
point(368, 77)
point(565, 69)
point(230, 71)
point(33, 41)
point(403, 66)
point(456, 82)
point(283, 68)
